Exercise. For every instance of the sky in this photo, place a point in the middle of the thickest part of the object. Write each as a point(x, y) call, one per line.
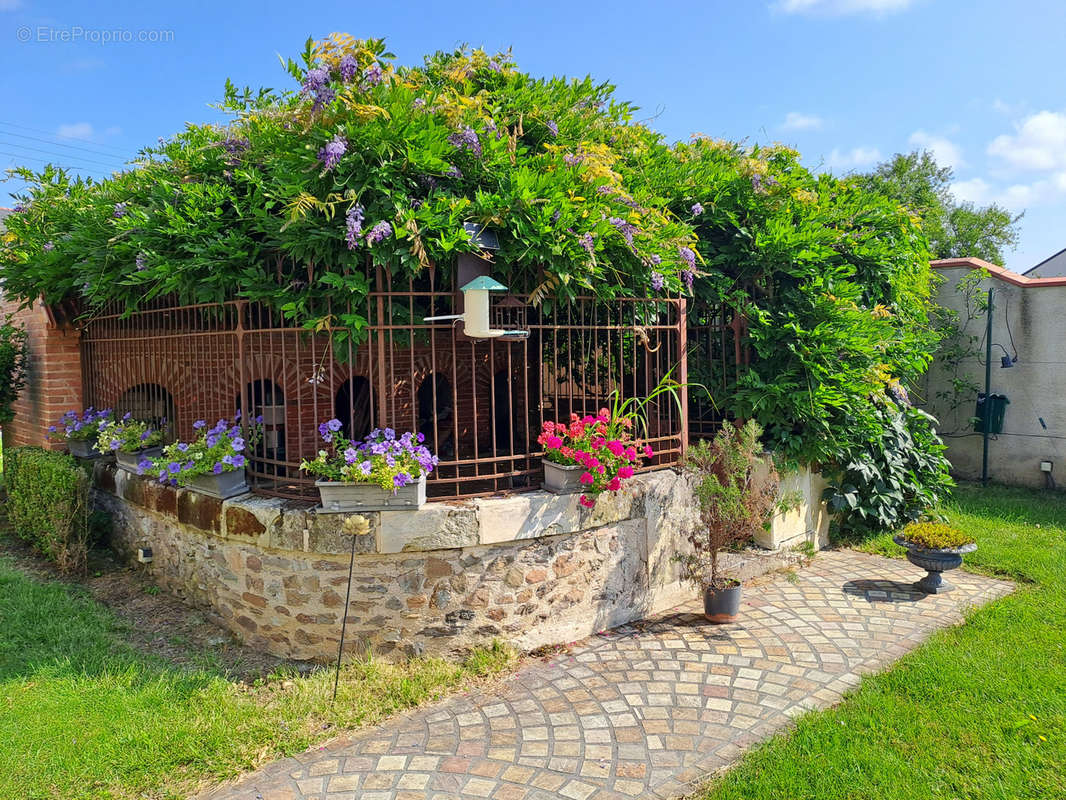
point(847, 82)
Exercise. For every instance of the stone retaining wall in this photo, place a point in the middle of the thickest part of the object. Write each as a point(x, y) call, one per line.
point(532, 569)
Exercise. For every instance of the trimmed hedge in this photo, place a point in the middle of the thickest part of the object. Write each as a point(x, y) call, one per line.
point(48, 504)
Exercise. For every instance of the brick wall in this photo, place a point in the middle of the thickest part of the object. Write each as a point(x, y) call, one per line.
point(53, 384)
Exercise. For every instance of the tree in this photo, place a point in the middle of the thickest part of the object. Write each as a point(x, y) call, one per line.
point(955, 229)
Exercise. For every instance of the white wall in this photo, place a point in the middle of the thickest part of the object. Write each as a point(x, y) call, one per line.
point(1035, 385)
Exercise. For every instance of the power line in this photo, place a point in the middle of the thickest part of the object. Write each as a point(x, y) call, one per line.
point(25, 157)
point(52, 135)
point(109, 164)
point(39, 140)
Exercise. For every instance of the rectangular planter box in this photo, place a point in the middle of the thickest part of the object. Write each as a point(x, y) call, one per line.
point(223, 485)
point(340, 497)
point(129, 461)
point(560, 479)
point(82, 448)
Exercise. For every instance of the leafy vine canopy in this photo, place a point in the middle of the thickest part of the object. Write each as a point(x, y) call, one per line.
point(362, 162)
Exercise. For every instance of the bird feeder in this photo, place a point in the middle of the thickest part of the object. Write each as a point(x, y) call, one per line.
point(475, 315)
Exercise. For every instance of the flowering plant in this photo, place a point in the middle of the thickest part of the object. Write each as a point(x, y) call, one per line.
point(75, 427)
point(215, 450)
point(602, 444)
point(127, 435)
point(383, 458)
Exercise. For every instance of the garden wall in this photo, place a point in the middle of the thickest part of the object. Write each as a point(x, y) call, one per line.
point(532, 569)
point(1029, 312)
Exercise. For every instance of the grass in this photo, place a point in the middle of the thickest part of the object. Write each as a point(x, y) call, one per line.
point(977, 712)
point(84, 715)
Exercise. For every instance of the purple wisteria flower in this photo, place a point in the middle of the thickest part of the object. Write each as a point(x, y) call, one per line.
point(315, 79)
point(48, 247)
point(453, 172)
point(553, 129)
point(689, 277)
point(19, 208)
point(348, 68)
point(688, 256)
point(657, 281)
point(656, 259)
point(379, 233)
point(587, 240)
point(373, 75)
point(696, 209)
point(332, 152)
point(573, 160)
point(419, 102)
point(141, 262)
point(353, 226)
point(466, 139)
point(120, 211)
point(627, 229)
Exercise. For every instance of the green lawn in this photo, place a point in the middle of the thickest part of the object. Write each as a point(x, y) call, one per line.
point(83, 715)
point(978, 712)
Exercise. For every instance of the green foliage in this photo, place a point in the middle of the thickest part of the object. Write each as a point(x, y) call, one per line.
point(48, 503)
point(13, 361)
point(251, 210)
point(893, 477)
point(955, 229)
point(833, 281)
point(127, 435)
point(936, 535)
point(737, 490)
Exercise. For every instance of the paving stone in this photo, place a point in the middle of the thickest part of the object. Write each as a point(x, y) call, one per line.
point(645, 709)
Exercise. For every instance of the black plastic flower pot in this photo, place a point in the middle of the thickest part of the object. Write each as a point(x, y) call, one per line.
point(722, 605)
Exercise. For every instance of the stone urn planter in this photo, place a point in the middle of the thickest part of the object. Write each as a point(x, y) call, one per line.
point(221, 486)
point(83, 448)
point(722, 605)
point(934, 562)
point(562, 479)
point(339, 497)
point(129, 461)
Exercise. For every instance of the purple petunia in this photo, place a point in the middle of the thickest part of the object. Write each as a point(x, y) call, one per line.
point(379, 233)
point(218, 468)
point(237, 444)
point(348, 68)
point(182, 446)
point(199, 424)
point(331, 154)
point(657, 281)
point(401, 479)
point(353, 225)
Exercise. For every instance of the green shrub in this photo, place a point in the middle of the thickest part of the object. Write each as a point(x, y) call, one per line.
point(936, 535)
point(48, 503)
point(894, 477)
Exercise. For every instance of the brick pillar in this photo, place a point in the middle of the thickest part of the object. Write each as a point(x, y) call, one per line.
point(53, 381)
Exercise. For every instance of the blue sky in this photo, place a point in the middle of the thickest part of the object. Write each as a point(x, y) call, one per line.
point(848, 82)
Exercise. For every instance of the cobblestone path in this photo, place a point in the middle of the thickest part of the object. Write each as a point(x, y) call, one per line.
point(643, 710)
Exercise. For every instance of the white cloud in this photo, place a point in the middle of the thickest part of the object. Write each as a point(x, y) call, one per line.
point(841, 7)
point(852, 159)
point(798, 121)
point(1038, 143)
point(75, 130)
point(943, 149)
point(975, 190)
